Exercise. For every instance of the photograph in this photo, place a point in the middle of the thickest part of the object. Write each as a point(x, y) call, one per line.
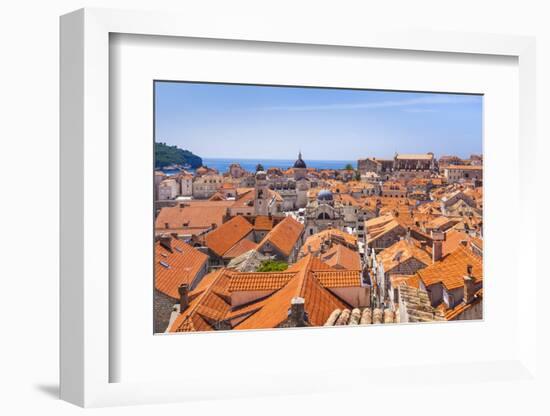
point(282, 206)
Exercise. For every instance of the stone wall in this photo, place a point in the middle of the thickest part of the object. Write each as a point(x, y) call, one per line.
point(162, 307)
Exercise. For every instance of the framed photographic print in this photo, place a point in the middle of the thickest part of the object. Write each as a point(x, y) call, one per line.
point(241, 208)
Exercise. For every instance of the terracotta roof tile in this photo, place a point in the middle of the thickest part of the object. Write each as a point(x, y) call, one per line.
point(259, 281)
point(240, 248)
point(339, 278)
point(453, 239)
point(340, 257)
point(380, 229)
point(208, 308)
point(407, 279)
point(319, 302)
point(227, 235)
point(335, 235)
point(451, 269)
point(284, 235)
point(173, 268)
point(451, 314)
point(192, 217)
point(262, 222)
point(400, 252)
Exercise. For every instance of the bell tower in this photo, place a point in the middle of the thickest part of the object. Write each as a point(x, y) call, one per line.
point(261, 194)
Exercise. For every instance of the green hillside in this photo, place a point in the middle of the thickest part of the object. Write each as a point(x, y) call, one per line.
point(166, 155)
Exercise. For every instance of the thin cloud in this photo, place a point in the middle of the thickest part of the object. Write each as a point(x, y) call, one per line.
point(420, 110)
point(409, 102)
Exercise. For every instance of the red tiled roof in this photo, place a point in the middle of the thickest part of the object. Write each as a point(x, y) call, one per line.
point(335, 235)
point(208, 308)
point(183, 264)
point(227, 235)
point(400, 252)
point(262, 222)
point(284, 235)
point(259, 281)
point(376, 229)
point(240, 248)
point(192, 217)
point(339, 278)
point(451, 314)
point(453, 239)
point(341, 257)
point(406, 279)
point(451, 269)
point(319, 302)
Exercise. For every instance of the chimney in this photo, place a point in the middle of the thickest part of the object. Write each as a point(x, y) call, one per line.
point(183, 291)
point(166, 241)
point(408, 235)
point(309, 250)
point(297, 312)
point(437, 248)
point(213, 226)
point(469, 290)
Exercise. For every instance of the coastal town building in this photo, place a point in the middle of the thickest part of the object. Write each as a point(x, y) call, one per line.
point(461, 173)
point(283, 241)
point(402, 166)
point(179, 268)
point(304, 295)
point(169, 188)
point(397, 240)
point(324, 213)
point(206, 185)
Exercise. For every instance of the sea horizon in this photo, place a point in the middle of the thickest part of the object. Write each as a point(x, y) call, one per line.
point(222, 164)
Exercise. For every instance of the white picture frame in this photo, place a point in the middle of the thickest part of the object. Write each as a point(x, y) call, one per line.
point(86, 356)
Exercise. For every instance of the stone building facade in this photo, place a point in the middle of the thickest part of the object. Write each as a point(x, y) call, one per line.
point(206, 185)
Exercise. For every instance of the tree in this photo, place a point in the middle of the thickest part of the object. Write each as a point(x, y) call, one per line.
point(272, 266)
point(259, 167)
point(349, 167)
point(166, 155)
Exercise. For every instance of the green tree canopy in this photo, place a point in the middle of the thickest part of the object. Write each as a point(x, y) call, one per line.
point(166, 155)
point(272, 266)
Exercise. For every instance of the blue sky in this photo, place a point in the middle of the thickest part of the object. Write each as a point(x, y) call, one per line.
point(242, 121)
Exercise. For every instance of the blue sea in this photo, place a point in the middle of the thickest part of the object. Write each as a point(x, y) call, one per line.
point(222, 165)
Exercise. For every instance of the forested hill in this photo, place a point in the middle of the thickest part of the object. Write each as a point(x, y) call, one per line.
point(166, 155)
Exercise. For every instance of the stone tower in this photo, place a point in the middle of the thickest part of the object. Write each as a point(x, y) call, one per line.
point(261, 194)
point(300, 168)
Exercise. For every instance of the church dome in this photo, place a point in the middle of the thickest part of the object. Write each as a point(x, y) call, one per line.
point(300, 164)
point(324, 195)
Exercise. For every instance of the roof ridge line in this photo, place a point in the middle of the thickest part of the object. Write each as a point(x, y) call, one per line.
point(198, 298)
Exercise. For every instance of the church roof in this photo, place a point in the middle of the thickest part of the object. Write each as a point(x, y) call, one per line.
point(300, 164)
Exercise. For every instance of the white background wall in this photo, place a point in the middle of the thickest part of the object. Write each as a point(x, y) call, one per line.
point(29, 222)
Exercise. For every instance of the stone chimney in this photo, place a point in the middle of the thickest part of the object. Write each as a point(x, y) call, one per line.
point(183, 291)
point(297, 316)
point(166, 241)
point(469, 289)
point(437, 248)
